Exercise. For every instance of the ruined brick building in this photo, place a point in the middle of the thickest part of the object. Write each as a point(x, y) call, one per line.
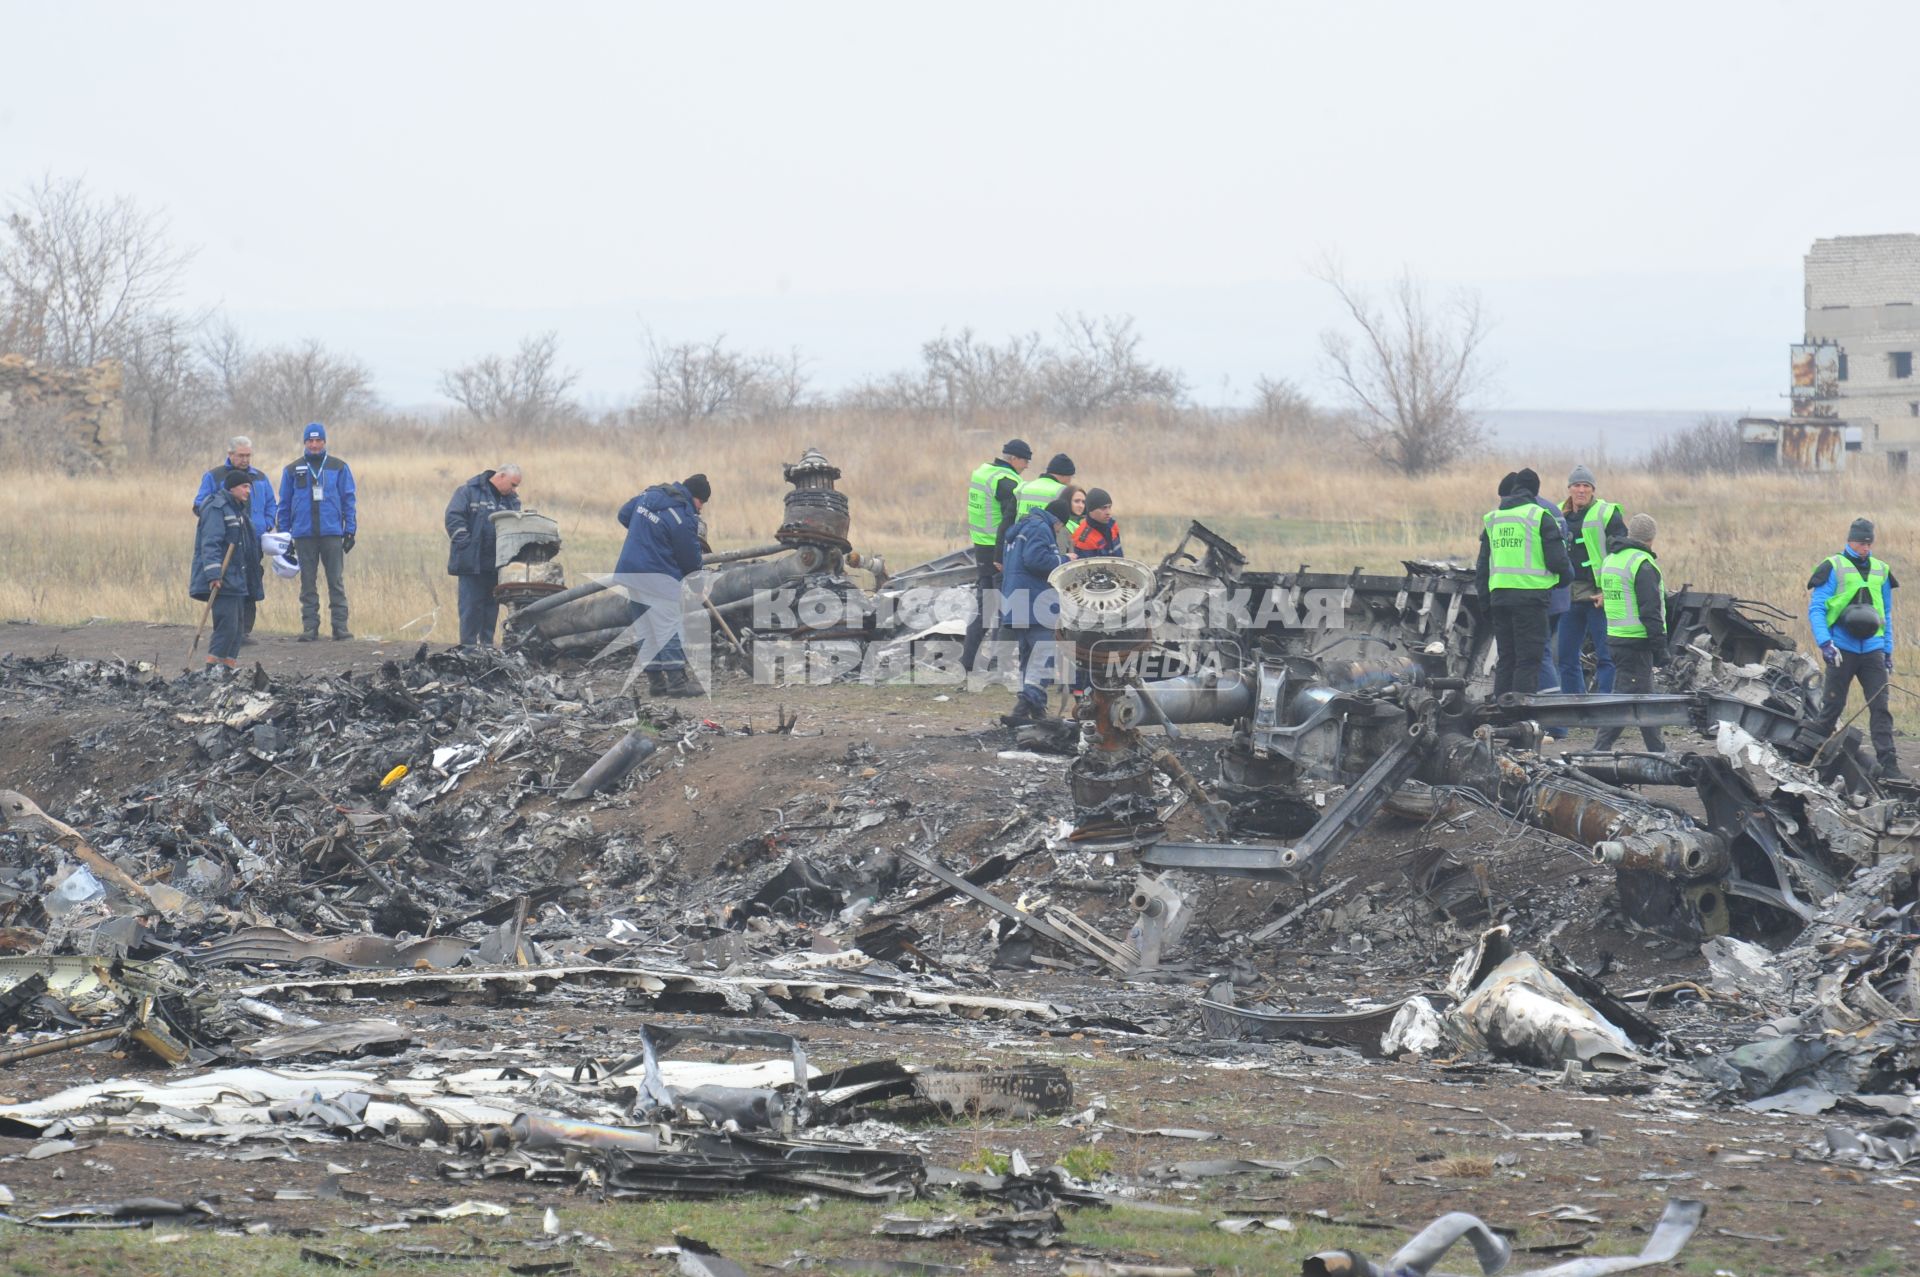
point(1862, 294)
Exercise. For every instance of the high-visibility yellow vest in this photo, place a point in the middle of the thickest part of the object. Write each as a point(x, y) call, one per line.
point(983, 512)
point(1848, 581)
point(1035, 493)
point(1593, 535)
point(1516, 545)
point(1617, 573)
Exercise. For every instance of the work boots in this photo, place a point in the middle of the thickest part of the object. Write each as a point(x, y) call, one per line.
point(1889, 769)
point(672, 683)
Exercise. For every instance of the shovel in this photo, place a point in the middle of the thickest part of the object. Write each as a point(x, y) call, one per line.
point(206, 612)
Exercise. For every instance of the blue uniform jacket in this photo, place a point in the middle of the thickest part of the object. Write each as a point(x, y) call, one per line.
point(328, 513)
point(1560, 598)
point(469, 521)
point(1033, 551)
point(1822, 585)
point(663, 533)
point(263, 505)
point(224, 522)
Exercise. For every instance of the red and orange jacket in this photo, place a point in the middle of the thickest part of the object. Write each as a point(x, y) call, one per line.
point(1092, 539)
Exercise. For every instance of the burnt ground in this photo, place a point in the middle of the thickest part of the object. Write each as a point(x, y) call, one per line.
point(1413, 1138)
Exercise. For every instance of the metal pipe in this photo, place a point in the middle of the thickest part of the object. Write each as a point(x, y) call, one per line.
point(525, 615)
point(1637, 769)
point(588, 640)
point(748, 579)
point(633, 749)
point(1672, 853)
point(1190, 698)
point(534, 1131)
point(734, 556)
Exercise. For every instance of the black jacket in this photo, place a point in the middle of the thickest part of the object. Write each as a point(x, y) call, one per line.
point(1648, 595)
point(470, 527)
point(1553, 546)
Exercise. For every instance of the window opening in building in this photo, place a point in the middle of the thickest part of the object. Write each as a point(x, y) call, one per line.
point(1843, 365)
point(1902, 361)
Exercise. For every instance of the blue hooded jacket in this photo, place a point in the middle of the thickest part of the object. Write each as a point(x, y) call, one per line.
point(316, 493)
point(1822, 584)
point(263, 506)
point(663, 533)
point(1033, 552)
point(223, 523)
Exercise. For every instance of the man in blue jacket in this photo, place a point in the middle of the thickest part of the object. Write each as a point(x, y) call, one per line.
point(470, 555)
point(662, 550)
point(226, 565)
point(1032, 608)
point(317, 508)
point(259, 498)
point(1851, 612)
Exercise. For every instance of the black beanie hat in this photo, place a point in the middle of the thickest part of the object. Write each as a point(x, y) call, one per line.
point(1097, 497)
point(1526, 481)
point(1861, 530)
point(237, 478)
point(1061, 465)
point(697, 487)
point(1018, 448)
point(1506, 484)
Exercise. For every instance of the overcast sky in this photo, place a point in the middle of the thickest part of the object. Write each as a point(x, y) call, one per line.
point(1630, 186)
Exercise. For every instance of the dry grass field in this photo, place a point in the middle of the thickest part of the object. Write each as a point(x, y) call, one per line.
point(116, 546)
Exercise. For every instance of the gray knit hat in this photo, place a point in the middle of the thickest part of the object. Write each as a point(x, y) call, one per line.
point(1641, 528)
point(1862, 530)
point(1580, 474)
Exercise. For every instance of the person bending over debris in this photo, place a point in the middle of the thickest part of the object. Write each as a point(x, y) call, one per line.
point(662, 550)
point(991, 510)
point(1851, 612)
point(260, 499)
point(1035, 493)
point(1592, 525)
point(1522, 558)
point(1633, 589)
point(1032, 608)
point(470, 556)
point(318, 507)
point(226, 565)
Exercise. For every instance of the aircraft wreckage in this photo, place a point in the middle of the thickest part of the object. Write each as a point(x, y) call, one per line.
point(1349, 694)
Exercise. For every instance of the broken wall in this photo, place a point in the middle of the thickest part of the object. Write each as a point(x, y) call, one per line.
point(73, 414)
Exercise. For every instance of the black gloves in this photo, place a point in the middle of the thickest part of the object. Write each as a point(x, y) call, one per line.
point(346, 544)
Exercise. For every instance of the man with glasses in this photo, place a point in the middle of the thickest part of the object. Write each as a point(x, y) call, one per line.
point(259, 498)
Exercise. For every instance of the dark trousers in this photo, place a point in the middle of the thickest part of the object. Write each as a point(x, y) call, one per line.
point(1519, 636)
point(1550, 656)
point(1871, 671)
point(1583, 621)
point(1036, 664)
point(246, 617)
point(315, 553)
point(229, 617)
point(1632, 672)
point(479, 610)
point(986, 585)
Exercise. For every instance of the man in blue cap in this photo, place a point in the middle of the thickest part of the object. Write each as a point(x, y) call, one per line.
point(1850, 609)
point(317, 508)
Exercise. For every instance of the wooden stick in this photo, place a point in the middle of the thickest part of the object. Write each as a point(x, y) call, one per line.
point(212, 594)
point(22, 810)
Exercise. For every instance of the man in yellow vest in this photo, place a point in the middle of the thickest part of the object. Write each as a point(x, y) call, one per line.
point(1634, 593)
point(1522, 558)
point(991, 510)
point(1851, 612)
point(1592, 524)
point(1035, 493)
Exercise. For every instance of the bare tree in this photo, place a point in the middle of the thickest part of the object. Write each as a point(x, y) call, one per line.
point(526, 389)
point(1711, 445)
point(694, 381)
point(966, 377)
point(1412, 372)
point(1097, 368)
point(1280, 403)
point(82, 278)
point(168, 387)
point(292, 385)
